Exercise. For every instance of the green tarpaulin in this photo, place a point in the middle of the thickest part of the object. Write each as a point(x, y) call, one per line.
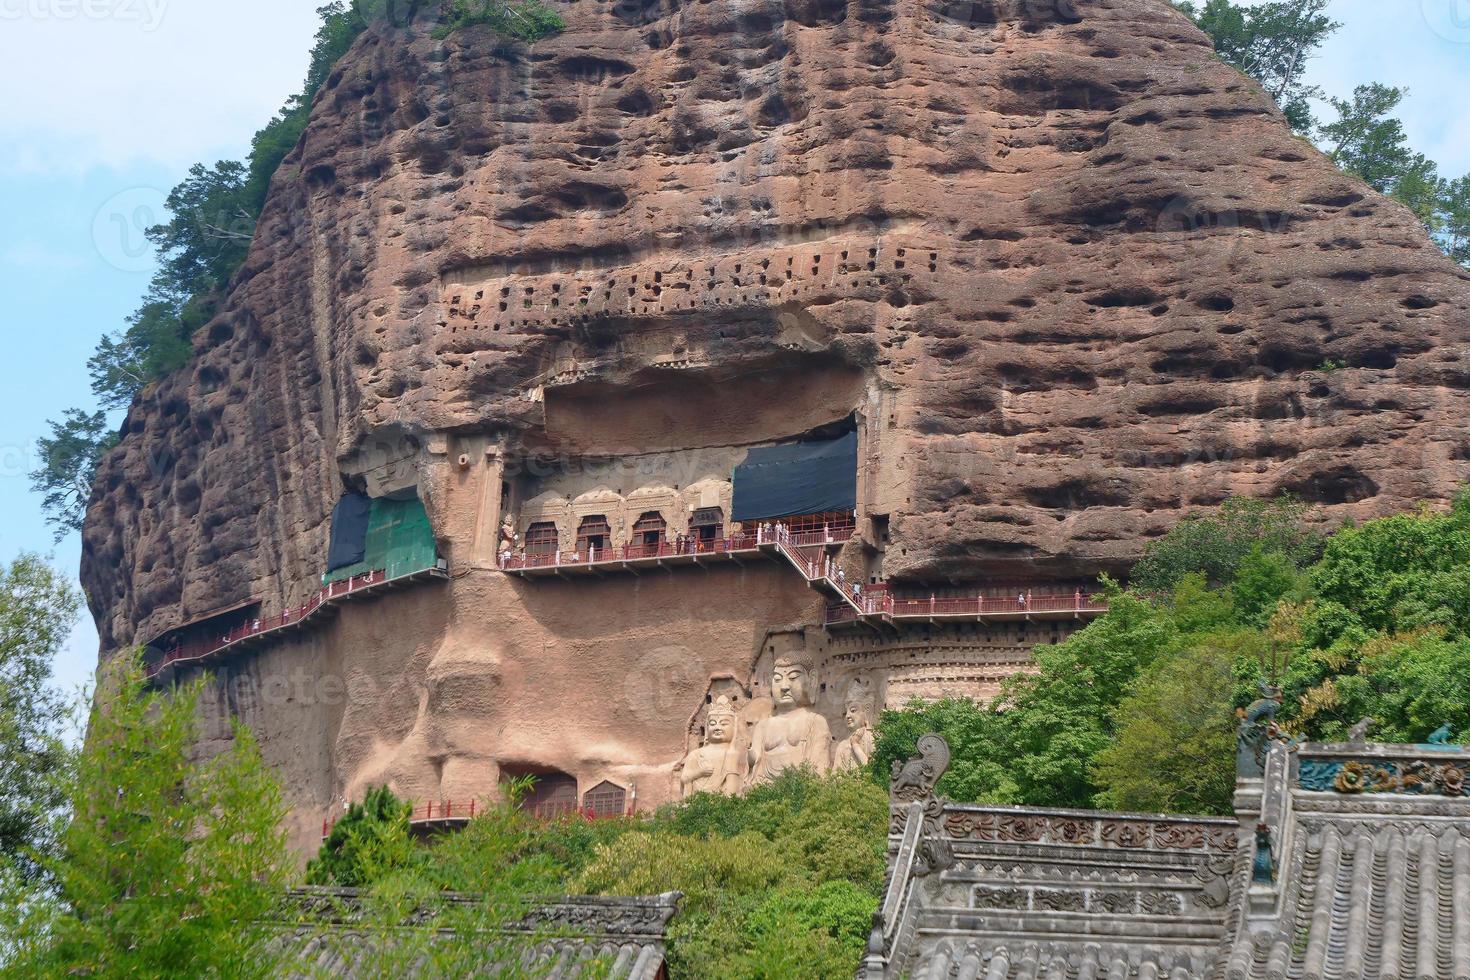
point(399, 540)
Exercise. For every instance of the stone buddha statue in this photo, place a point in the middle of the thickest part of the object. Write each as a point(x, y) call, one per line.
point(715, 766)
point(854, 751)
point(794, 734)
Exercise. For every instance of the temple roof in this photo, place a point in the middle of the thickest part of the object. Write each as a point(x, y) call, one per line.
point(1374, 868)
point(1343, 862)
point(566, 938)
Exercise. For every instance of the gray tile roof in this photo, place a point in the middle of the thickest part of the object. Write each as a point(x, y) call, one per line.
point(1368, 879)
point(1067, 894)
point(1372, 881)
point(565, 938)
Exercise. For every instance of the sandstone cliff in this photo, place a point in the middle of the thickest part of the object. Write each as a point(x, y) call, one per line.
point(1076, 276)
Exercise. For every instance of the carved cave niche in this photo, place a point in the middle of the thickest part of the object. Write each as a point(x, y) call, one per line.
point(552, 793)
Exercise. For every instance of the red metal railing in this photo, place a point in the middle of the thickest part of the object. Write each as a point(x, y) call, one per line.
point(260, 626)
point(427, 813)
point(630, 552)
point(883, 603)
point(765, 534)
point(807, 550)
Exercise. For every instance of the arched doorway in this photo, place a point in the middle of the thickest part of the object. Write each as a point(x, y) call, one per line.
point(707, 524)
point(606, 799)
point(541, 538)
point(650, 530)
point(594, 532)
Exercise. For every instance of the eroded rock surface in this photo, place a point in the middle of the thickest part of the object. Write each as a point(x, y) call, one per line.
point(1074, 275)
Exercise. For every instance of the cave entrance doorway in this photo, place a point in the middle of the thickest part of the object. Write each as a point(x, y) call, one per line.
point(650, 530)
point(707, 524)
point(594, 535)
point(553, 793)
point(606, 799)
point(541, 538)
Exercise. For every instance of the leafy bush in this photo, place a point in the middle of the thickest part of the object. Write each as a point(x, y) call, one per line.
point(370, 840)
point(1217, 543)
point(1134, 711)
point(1175, 746)
point(528, 20)
point(780, 882)
point(839, 909)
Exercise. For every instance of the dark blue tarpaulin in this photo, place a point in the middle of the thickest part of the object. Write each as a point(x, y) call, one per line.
point(349, 531)
point(797, 478)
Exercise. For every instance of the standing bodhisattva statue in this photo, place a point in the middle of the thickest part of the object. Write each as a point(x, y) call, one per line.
point(854, 751)
point(794, 734)
point(713, 767)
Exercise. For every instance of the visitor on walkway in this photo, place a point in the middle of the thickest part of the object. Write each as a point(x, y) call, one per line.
point(1021, 599)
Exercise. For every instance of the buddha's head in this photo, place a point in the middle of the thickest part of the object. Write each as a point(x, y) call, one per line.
point(792, 683)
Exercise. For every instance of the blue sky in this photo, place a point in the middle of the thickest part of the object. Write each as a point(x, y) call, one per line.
point(110, 101)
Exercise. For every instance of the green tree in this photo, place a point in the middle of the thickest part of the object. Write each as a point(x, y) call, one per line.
point(1217, 543)
point(168, 867)
point(1410, 684)
point(1420, 189)
point(1174, 751)
point(340, 26)
point(1400, 572)
point(979, 770)
point(208, 232)
point(1057, 720)
point(68, 467)
point(1263, 580)
point(1272, 43)
point(781, 882)
point(1455, 218)
point(155, 344)
point(369, 840)
point(1034, 745)
point(1366, 139)
point(37, 609)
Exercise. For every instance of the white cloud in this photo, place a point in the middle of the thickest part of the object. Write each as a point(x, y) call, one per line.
point(96, 88)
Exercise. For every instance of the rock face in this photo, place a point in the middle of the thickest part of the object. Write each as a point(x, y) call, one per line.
point(1071, 275)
